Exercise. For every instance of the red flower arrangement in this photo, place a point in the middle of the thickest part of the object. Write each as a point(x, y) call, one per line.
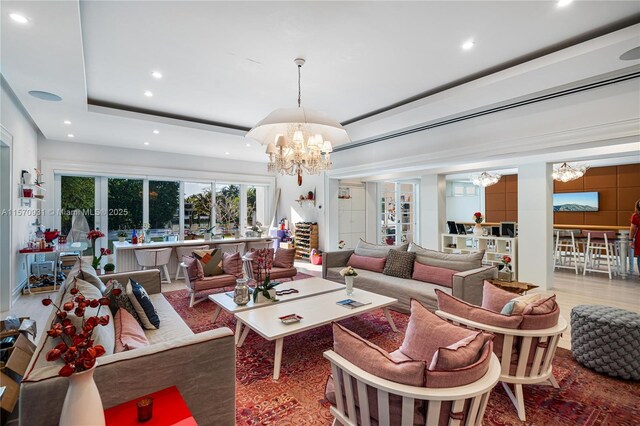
point(477, 217)
point(76, 349)
point(506, 260)
point(93, 236)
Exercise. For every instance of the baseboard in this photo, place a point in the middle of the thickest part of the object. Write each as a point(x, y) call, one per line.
point(17, 292)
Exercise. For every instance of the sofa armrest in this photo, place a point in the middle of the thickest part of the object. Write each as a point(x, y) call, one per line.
point(333, 259)
point(185, 363)
point(467, 285)
point(149, 279)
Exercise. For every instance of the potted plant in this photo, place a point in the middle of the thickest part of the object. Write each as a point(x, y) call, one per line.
point(265, 288)
point(109, 268)
point(477, 218)
point(93, 236)
point(504, 274)
point(207, 233)
point(122, 235)
point(349, 274)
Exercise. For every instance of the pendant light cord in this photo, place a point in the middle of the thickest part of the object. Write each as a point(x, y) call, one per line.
point(299, 90)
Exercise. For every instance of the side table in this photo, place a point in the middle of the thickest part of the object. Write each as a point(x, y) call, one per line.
point(517, 287)
point(169, 409)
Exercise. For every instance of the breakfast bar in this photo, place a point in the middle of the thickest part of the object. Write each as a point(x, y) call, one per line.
point(125, 258)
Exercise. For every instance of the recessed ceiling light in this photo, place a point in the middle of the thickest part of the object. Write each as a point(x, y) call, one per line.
point(67, 122)
point(226, 153)
point(468, 44)
point(19, 18)
point(563, 3)
point(146, 143)
point(148, 93)
point(45, 96)
point(156, 74)
point(71, 135)
point(156, 132)
point(248, 144)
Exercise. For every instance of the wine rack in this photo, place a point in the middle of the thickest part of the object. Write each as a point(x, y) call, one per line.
point(306, 239)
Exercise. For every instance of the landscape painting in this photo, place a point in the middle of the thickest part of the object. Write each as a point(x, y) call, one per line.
point(575, 202)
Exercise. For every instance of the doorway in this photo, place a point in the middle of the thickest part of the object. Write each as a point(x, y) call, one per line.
point(6, 267)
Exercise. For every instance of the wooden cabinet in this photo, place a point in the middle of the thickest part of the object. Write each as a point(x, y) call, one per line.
point(494, 248)
point(306, 239)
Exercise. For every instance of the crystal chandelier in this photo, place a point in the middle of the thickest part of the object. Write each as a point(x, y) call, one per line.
point(298, 139)
point(486, 179)
point(567, 173)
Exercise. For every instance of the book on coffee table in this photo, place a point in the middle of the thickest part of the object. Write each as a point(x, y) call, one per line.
point(351, 304)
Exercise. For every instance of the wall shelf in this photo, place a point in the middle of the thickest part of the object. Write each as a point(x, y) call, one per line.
point(35, 190)
point(306, 200)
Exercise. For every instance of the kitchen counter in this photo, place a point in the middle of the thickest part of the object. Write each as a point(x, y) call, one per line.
point(125, 259)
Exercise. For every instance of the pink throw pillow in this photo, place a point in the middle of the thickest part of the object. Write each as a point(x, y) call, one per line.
point(374, 359)
point(232, 264)
point(129, 333)
point(427, 332)
point(462, 353)
point(374, 264)
point(284, 258)
point(460, 308)
point(494, 298)
point(462, 376)
point(194, 268)
point(543, 305)
point(433, 274)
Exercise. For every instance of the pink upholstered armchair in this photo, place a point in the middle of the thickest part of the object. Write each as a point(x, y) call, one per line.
point(282, 264)
point(196, 281)
point(524, 342)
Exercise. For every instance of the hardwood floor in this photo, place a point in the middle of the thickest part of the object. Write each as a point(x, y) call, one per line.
point(570, 289)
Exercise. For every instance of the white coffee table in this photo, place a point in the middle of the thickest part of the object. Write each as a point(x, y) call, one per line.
point(306, 288)
point(314, 310)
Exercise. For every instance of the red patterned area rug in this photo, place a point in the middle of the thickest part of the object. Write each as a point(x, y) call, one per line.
point(297, 398)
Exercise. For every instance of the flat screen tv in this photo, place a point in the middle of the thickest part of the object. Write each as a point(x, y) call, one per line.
point(575, 202)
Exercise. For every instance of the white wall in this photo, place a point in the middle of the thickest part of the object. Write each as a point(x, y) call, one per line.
point(306, 212)
point(24, 157)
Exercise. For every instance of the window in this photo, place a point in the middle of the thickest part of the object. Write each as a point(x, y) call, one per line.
point(124, 206)
point(185, 210)
point(77, 193)
point(227, 208)
point(164, 209)
point(256, 205)
point(197, 210)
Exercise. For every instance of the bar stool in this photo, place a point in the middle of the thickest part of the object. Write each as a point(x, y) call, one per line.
point(259, 245)
point(155, 258)
point(185, 251)
point(598, 248)
point(231, 248)
point(566, 254)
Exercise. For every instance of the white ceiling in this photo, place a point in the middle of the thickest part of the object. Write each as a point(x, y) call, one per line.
point(232, 62)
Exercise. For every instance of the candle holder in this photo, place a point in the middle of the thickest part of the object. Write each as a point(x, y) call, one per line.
point(145, 409)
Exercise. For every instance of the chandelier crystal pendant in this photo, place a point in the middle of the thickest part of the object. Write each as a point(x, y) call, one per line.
point(298, 139)
point(486, 179)
point(567, 173)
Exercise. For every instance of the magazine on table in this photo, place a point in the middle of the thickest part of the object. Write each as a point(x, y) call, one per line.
point(351, 304)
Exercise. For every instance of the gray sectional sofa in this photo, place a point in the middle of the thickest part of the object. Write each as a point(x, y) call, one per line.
point(466, 283)
point(202, 366)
